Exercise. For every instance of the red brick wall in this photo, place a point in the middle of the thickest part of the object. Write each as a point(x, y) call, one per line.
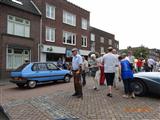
point(6, 39)
point(58, 22)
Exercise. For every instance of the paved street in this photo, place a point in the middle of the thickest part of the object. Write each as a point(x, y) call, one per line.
point(54, 102)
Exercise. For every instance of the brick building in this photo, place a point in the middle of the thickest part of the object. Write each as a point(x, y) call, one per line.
point(101, 40)
point(19, 34)
point(64, 26)
point(45, 30)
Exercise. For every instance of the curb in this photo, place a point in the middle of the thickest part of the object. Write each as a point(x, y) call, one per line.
point(5, 114)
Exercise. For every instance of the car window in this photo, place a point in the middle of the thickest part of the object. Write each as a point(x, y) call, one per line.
point(39, 67)
point(51, 66)
point(20, 68)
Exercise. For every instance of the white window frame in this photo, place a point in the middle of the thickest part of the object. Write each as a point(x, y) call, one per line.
point(92, 37)
point(69, 18)
point(102, 39)
point(67, 35)
point(52, 31)
point(14, 22)
point(110, 41)
point(84, 23)
point(13, 63)
point(84, 41)
point(50, 11)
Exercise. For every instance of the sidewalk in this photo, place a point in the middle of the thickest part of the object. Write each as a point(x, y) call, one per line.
point(4, 81)
point(95, 105)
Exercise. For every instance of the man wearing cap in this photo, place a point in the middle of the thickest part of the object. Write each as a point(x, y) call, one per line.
point(76, 68)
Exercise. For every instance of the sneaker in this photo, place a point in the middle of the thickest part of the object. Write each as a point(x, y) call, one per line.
point(80, 96)
point(125, 96)
point(133, 95)
point(109, 95)
point(75, 94)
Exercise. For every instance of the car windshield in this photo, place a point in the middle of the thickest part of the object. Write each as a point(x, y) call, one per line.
point(20, 68)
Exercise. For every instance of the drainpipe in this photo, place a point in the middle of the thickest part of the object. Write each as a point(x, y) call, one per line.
point(40, 32)
point(40, 41)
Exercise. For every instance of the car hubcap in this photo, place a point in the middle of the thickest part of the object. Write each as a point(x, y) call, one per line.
point(32, 84)
point(138, 89)
point(67, 78)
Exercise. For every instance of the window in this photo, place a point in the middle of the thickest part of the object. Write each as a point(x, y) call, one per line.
point(50, 34)
point(92, 46)
point(117, 46)
point(84, 24)
point(18, 26)
point(84, 41)
point(50, 11)
point(92, 37)
point(51, 66)
point(39, 67)
point(110, 42)
point(69, 18)
point(102, 49)
point(102, 39)
point(16, 57)
point(69, 38)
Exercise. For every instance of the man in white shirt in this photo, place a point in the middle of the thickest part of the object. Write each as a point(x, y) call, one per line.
point(110, 61)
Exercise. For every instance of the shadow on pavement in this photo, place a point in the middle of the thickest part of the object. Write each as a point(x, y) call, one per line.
point(3, 116)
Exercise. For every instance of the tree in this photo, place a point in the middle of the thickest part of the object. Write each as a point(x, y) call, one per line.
point(141, 52)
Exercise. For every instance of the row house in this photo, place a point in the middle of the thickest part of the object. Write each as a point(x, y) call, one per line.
point(64, 26)
point(46, 30)
point(19, 34)
point(101, 40)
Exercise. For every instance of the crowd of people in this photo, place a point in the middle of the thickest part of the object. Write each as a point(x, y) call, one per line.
point(107, 69)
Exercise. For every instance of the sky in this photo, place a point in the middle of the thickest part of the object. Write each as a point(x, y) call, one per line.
point(133, 22)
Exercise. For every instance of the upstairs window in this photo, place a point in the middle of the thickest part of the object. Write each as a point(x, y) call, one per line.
point(50, 11)
point(69, 38)
point(69, 18)
point(84, 24)
point(18, 26)
point(50, 34)
point(84, 41)
point(92, 37)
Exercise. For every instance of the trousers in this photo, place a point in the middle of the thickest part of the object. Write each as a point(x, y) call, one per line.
point(77, 83)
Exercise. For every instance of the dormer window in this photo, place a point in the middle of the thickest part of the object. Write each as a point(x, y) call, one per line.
point(18, 2)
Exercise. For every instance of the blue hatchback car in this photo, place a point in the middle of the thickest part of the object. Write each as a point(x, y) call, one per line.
point(33, 73)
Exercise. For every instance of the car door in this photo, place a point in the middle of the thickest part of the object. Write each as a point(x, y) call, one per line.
point(40, 72)
point(56, 72)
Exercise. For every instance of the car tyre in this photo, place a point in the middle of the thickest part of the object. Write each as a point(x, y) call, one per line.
point(139, 88)
point(20, 85)
point(31, 84)
point(67, 78)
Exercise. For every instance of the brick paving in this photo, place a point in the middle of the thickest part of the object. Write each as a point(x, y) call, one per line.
point(54, 102)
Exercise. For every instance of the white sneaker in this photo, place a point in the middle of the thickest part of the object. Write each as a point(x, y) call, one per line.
point(133, 95)
point(125, 96)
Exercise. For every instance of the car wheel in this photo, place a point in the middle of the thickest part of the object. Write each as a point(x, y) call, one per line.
point(32, 84)
point(20, 85)
point(67, 78)
point(139, 88)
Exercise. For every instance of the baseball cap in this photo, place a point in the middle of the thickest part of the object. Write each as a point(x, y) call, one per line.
point(74, 49)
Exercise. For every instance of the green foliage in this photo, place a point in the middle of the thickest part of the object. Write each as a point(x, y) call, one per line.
point(141, 52)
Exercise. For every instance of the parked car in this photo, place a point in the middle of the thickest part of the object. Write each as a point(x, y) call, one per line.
point(33, 73)
point(145, 82)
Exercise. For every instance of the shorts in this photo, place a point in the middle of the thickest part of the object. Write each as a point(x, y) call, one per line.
point(109, 78)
